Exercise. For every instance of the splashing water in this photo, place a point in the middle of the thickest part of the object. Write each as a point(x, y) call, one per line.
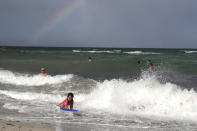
point(8, 77)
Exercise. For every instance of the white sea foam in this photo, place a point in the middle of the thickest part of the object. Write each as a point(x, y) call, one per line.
point(133, 52)
point(146, 96)
point(140, 52)
point(97, 51)
point(13, 106)
point(8, 77)
point(30, 96)
point(115, 51)
point(189, 51)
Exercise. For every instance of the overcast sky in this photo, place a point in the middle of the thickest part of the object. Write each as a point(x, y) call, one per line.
point(101, 23)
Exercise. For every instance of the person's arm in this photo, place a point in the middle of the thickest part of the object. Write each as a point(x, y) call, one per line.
point(61, 104)
point(64, 104)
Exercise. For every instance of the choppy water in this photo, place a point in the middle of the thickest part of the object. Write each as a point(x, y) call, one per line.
point(112, 92)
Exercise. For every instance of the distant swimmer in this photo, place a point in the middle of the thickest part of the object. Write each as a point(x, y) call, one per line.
point(89, 59)
point(150, 65)
point(139, 62)
point(43, 73)
point(68, 102)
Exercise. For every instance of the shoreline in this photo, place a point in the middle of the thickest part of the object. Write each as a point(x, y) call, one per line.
point(24, 126)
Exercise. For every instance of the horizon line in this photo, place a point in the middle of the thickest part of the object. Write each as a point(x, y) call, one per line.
point(20, 46)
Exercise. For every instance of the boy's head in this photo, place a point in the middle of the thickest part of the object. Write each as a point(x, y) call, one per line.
point(70, 96)
point(139, 62)
point(42, 70)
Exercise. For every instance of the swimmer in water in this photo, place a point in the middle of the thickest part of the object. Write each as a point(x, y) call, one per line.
point(139, 62)
point(43, 73)
point(89, 59)
point(150, 65)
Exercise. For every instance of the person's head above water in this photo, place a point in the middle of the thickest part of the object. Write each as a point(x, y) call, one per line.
point(70, 96)
point(89, 59)
point(139, 62)
point(42, 72)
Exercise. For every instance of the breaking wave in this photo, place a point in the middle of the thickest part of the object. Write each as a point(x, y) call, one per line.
point(8, 77)
point(140, 52)
point(97, 51)
point(189, 51)
point(146, 96)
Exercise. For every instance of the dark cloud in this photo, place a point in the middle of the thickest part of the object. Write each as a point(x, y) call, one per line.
point(111, 23)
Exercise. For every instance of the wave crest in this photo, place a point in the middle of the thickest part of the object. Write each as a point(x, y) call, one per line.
point(140, 52)
point(97, 51)
point(146, 96)
point(190, 52)
point(8, 77)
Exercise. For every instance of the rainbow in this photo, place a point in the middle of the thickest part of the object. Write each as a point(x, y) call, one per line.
point(60, 15)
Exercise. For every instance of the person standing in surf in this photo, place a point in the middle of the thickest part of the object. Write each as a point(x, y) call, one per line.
point(150, 65)
point(68, 102)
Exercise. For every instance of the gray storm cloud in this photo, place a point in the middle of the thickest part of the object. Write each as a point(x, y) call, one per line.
point(101, 23)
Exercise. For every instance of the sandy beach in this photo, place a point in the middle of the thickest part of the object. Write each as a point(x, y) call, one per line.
point(20, 126)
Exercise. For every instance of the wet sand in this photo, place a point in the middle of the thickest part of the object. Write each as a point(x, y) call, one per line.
point(20, 126)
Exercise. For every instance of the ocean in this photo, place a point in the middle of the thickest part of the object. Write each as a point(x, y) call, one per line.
point(112, 92)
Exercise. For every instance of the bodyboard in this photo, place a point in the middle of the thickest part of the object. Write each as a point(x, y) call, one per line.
point(68, 110)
